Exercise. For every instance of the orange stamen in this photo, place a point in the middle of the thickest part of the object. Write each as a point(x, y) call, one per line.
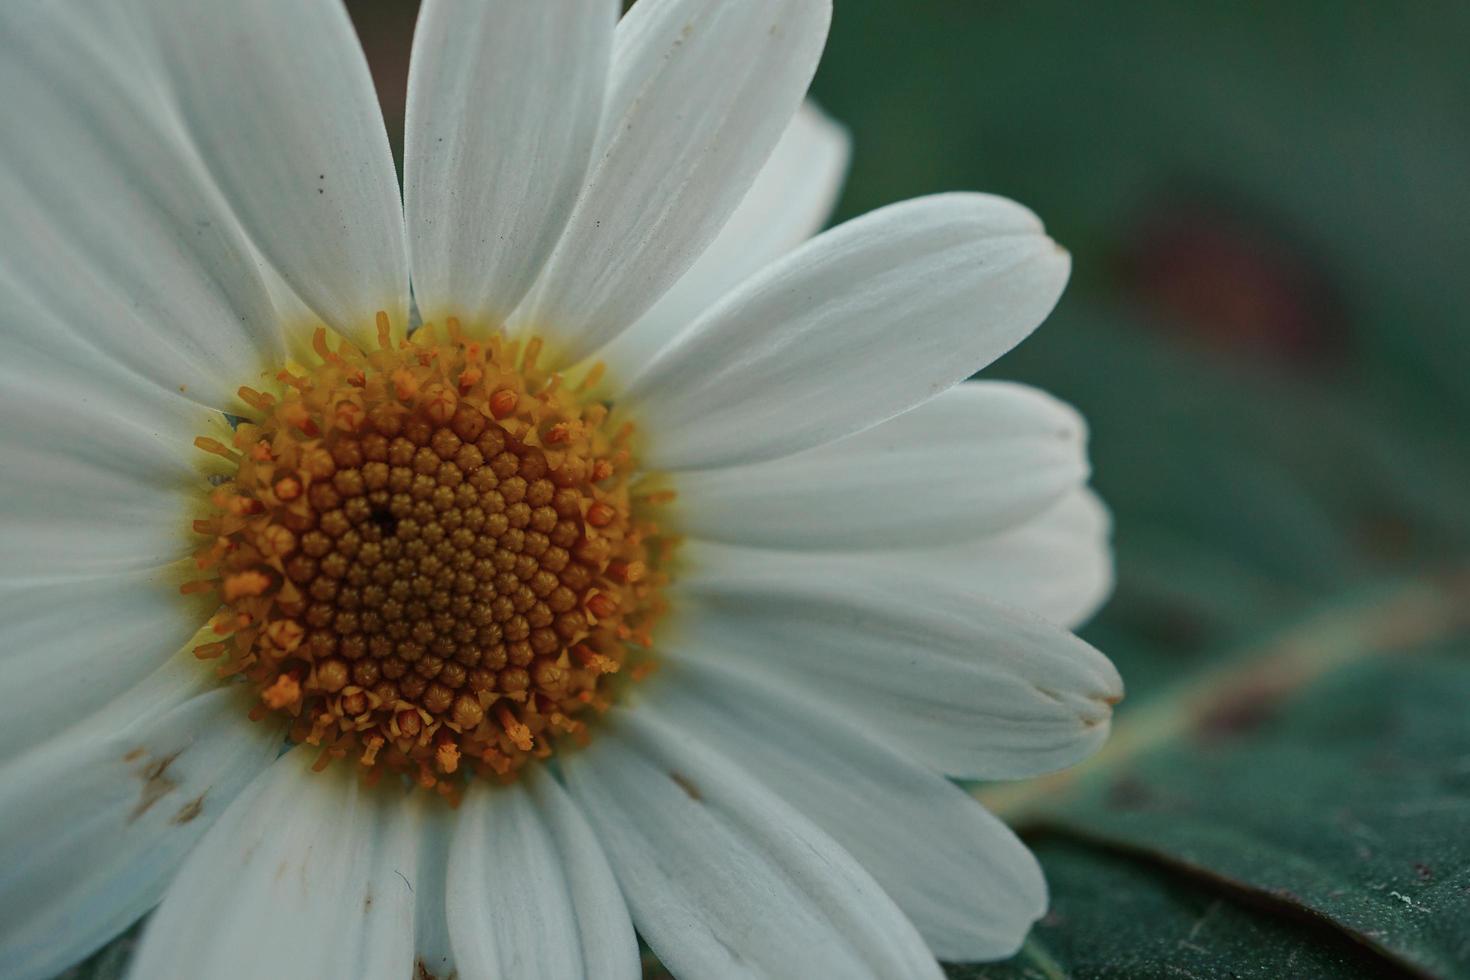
point(429, 555)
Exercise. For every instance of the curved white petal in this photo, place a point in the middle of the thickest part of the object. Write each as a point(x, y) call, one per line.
point(98, 819)
point(609, 945)
point(1058, 565)
point(503, 104)
point(116, 241)
point(724, 878)
point(111, 631)
point(966, 686)
point(790, 201)
point(276, 96)
point(861, 323)
point(700, 92)
point(100, 475)
point(969, 885)
point(530, 892)
point(979, 458)
point(307, 875)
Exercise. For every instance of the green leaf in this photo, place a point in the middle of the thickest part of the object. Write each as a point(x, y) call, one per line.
point(1324, 774)
point(1115, 917)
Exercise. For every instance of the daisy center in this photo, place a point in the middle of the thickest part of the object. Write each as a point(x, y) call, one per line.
point(430, 556)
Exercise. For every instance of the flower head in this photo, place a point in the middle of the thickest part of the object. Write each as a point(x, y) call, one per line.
point(658, 577)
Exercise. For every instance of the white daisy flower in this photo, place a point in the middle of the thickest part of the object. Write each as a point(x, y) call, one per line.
point(658, 581)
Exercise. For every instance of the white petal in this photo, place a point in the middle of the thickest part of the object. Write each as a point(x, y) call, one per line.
point(307, 875)
point(861, 323)
point(979, 458)
point(112, 630)
point(98, 819)
point(609, 945)
point(437, 824)
point(723, 877)
point(699, 94)
point(503, 104)
point(530, 892)
point(790, 201)
point(277, 97)
point(1059, 565)
point(116, 238)
point(100, 473)
point(966, 686)
point(969, 885)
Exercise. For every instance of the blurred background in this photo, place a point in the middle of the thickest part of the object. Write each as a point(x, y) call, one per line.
point(1268, 207)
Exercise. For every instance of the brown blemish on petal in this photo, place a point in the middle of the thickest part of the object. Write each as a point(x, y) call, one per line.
point(687, 786)
point(134, 755)
point(189, 810)
point(156, 784)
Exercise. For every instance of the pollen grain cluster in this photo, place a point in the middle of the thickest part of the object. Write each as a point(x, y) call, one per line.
point(430, 556)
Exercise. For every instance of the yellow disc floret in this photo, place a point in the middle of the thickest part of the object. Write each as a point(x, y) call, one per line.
point(430, 556)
